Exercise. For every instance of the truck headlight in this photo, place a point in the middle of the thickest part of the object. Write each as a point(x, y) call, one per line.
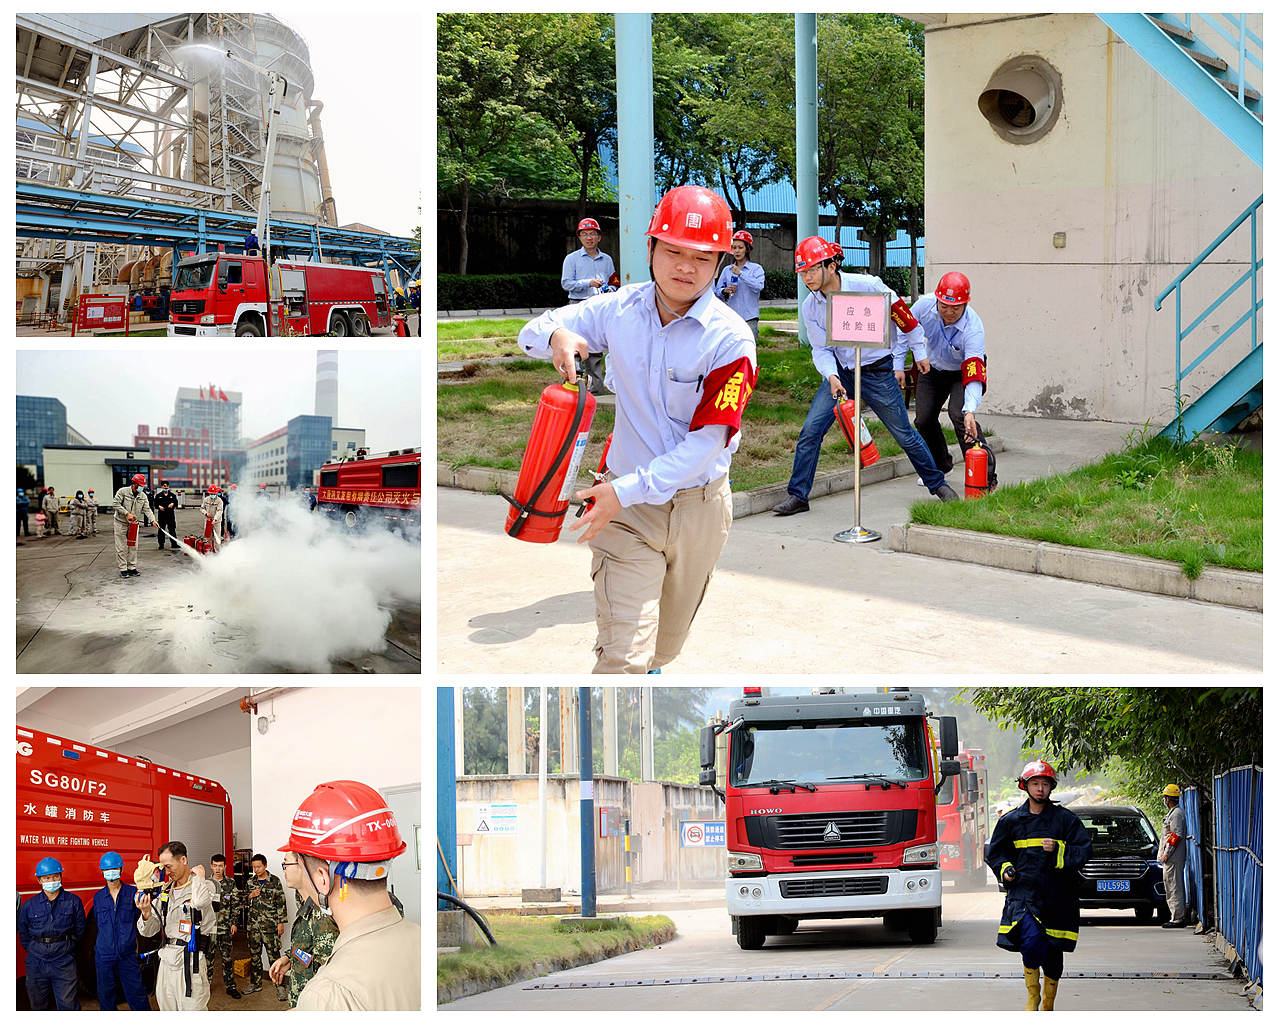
point(745, 862)
point(207, 319)
point(921, 855)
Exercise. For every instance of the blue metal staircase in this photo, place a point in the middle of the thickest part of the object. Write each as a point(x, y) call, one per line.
point(1211, 68)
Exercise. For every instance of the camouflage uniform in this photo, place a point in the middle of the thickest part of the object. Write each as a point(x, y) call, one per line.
point(266, 910)
point(228, 914)
point(310, 946)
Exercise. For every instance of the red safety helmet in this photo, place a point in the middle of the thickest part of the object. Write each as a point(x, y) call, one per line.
point(137, 478)
point(215, 489)
point(262, 487)
point(233, 487)
point(953, 289)
point(693, 217)
point(744, 236)
point(347, 822)
point(814, 250)
point(1038, 770)
point(588, 224)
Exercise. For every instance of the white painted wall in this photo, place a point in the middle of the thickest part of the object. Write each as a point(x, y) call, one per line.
point(233, 770)
point(321, 734)
point(1135, 176)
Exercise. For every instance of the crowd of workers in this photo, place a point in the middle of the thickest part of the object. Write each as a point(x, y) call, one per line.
point(350, 947)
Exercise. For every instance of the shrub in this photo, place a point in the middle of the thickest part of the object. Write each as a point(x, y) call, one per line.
point(498, 291)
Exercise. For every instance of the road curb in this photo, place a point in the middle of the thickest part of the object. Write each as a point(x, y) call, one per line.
point(1232, 587)
point(745, 503)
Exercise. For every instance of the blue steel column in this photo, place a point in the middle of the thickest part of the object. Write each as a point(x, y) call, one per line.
point(446, 797)
point(633, 37)
point(587, 809)
point(806, 139)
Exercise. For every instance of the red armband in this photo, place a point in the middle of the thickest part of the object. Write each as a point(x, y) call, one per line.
point(1174, 840)
point(900, 314)
point(725, 393)
point(974, 369)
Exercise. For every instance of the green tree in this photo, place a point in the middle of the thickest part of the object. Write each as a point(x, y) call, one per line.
point(1153, 735)
point(25, 478)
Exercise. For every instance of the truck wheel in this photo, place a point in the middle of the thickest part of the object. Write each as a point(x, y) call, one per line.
point(923, 927)
point(338, 326)
point(785, 925)
point(751, 932)
point(360, 326)
point(248, 329)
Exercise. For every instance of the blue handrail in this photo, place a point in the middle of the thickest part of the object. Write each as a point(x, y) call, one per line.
point(1250, 275)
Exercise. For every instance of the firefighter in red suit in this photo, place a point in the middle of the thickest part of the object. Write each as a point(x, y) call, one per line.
point(682, 365)
point(1037, 851)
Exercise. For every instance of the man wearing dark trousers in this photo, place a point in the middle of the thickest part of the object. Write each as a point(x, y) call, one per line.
point(166, 503)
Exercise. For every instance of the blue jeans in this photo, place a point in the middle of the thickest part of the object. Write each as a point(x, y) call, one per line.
point(880, 391)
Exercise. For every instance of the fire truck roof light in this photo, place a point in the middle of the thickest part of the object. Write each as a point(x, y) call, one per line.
point(73, 755)
point(751, 691)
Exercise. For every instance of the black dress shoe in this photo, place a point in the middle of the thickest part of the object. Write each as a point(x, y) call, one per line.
point(124, 574)
point(233, 992)
point(134, 572)
point(791, 505)
point(945, 493)
point(1174, 924)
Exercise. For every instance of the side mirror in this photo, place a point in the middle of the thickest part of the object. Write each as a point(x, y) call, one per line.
point(222, 277)
point(949, 737)
point(707, 777)
point(950, 768)
point(707, 749)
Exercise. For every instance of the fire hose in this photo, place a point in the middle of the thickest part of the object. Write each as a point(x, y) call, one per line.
point(475, 916)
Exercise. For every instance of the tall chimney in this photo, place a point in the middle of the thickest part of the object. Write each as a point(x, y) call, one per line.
point(327, 385)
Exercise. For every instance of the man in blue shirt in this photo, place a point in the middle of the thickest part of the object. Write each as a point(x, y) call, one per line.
point(24, 503)
point(115, 954)
point(584, 273)
point(49, 927)
point(741, 282)
point(683, 366)
point(818, 264)
point(956, 358)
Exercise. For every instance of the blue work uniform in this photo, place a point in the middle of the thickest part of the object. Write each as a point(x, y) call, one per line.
point(49, 931)
point(579, 270)
point(746, 300)
point(115, 954)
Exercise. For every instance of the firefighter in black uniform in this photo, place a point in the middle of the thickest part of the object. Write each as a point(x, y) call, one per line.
point(166, 504)
point(1037, 851)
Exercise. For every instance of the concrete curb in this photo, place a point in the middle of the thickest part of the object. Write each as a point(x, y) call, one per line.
point(474, 986)
point(1232, 587)
point(745, 503)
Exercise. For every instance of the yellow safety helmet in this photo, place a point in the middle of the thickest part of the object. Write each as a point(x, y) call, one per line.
point(1172, 790)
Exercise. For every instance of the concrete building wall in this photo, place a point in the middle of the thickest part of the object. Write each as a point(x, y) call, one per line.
point(506, 864)
point(68, 470)
point(1137, 179)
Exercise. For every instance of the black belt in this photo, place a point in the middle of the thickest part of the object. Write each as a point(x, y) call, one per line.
point(50, 942)
point(883, 363)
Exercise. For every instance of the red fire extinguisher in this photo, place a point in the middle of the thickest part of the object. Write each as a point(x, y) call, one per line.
point(402, 327)
point(549, 469)
point(975, 472)
point(864, 445)
point(131, 535)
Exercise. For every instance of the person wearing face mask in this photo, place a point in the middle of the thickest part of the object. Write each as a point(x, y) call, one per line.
point(183, 914)
point(311, 940)
point(115, 953)
point(50, 925)
point(345, 837)
point(682, 368)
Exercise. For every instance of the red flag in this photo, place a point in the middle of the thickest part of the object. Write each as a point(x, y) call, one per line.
point(202, 394)
point(223, 395)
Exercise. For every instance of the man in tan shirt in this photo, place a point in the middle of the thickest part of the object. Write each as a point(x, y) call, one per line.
point(183, 911)
point(346, 837)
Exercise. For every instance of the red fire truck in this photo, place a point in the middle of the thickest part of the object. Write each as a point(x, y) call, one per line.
point(76, 802)
point(225, 294)
point(830, 810)
point(379, 488)
point(963, 822)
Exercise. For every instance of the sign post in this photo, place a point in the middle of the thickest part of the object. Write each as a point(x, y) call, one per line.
point(856, 320)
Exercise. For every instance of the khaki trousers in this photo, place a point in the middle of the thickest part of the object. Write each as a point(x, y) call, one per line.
point(126, 557)
point(171, 984)
point(1175, 891)
point(651, 566)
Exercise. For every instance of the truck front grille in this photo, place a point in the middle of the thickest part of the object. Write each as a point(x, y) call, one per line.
point(832, 831)
point(1114, 867)
point(188, 307)
point(181, 329)
point(802, 888)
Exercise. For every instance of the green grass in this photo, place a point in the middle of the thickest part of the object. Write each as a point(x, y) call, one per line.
point(532, 946)
point(1193, 504)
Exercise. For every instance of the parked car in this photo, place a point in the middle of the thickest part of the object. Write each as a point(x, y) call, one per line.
point(1123, 871)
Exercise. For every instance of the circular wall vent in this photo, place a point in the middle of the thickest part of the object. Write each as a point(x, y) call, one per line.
point(1023, 99)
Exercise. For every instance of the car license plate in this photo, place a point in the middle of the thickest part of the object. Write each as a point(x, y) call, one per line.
point(1113, 885)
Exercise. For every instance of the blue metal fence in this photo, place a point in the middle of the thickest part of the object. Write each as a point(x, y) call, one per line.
point(1237, 862)
point(1194, 876)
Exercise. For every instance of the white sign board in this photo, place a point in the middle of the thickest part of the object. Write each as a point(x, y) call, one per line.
point(496, 820)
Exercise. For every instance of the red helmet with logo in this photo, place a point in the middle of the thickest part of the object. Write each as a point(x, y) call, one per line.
point(1038, 770)
point(233, 487)
point(215, 489)
point(814, 250)
point(137, 478)
point(693, 217)
point(349, 823)
point(953, 289)
point(588, 224)
point(744, 236)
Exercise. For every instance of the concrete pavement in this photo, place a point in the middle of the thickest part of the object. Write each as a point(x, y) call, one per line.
point(787, 598)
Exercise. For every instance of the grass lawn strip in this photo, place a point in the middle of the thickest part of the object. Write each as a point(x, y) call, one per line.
point(531, 947)
point(1193, 504)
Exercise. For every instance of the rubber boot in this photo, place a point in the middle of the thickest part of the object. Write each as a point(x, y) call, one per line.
point(1032, 976)
point(1050, 991)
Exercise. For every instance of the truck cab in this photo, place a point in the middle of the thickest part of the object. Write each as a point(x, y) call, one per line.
point(219, 294)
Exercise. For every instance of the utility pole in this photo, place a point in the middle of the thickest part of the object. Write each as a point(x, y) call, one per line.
point(568, 731)
point(457, 731)
point(515, 731)
point(806, 26)
point(587, 803)
point(610, 725)
point(646, 734)
point(446, 800)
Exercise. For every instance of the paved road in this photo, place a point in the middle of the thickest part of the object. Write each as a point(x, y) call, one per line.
point(787, 598)
point(1111, 941)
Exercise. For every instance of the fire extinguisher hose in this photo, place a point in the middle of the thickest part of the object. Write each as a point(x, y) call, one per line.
point(527, 507)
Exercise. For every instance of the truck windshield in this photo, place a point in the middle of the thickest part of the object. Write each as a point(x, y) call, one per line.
point(828, 751)
point(195, 275)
